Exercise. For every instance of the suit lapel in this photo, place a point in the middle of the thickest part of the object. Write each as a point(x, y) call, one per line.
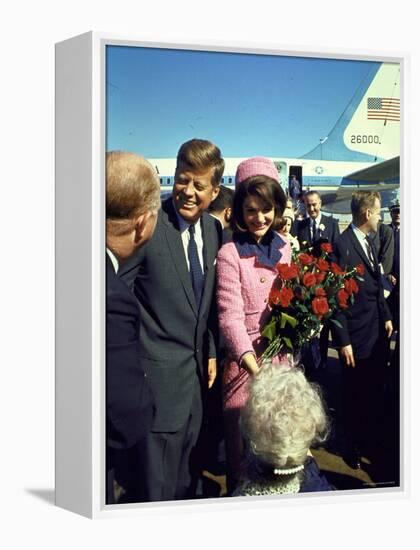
point(306, 234)
point(358, 248)
point(209, 255)
point(176, 248)
point(324, 233)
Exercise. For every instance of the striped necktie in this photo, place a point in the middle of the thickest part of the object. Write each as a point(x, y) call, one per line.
point(371, 255)
point(197, 277)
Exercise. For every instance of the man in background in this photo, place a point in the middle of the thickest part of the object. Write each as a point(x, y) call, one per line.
point(221, 208)
point(394, 274)
point(365, 327)
point(132, 202)
point(316, 226)
point(312, 231)
point(294, 188)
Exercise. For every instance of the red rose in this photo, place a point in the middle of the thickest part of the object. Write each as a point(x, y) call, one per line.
point(305, 259)
point(342, 298)
point(323, 265)
point(274, 296)
point(285, 296)
point(326, 247)
point(309, 279)
point(320, 307)
point(288, 272)
point(281, 268)
point(293, 271)
point(320, 292)
point(360, 268)
point(320, 277)
point(351, 286)
point(336, 269)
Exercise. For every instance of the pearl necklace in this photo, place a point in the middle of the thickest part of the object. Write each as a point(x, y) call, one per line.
point(288, 471)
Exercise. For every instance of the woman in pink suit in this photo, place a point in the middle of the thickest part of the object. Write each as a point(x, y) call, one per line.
point(246, 269)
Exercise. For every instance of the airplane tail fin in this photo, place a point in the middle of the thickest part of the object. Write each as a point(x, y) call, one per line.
point(368, 130)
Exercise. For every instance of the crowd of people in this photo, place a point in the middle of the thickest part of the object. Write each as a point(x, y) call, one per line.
point(188, 282)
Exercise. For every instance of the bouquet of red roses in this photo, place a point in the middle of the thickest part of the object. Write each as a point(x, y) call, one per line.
point(304, 295)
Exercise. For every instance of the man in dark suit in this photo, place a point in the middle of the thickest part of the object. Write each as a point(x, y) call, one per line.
point(394, 273)
point(393, 386)
point(174, 276)
point(221, 209)
point(316, 227)
point(132, 202)
point(365, 327)
point(314, 230)
point(383, 241)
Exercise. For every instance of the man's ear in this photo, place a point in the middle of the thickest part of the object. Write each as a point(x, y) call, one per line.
point(140, 226)
point(228, 214)
point(215, 192)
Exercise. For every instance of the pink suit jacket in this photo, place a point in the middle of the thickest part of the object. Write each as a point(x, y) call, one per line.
point(243, 286)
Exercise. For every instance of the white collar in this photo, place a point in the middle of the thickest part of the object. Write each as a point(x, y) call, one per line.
point(317, 219)
point(113, 259)
point(218, 219)
point(359, 233)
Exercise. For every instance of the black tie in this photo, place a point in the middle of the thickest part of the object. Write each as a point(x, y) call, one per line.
point(314, 231)
point(197, 277)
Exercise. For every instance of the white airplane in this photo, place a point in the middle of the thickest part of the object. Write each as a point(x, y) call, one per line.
point(360, 152)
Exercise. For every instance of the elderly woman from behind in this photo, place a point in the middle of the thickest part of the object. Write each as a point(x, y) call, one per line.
point(283, 417)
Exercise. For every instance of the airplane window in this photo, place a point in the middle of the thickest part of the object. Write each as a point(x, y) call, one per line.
point(230, 180)
point(168, 180)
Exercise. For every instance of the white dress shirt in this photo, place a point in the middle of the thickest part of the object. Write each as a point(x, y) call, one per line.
point(361, 237)
point(317, 223)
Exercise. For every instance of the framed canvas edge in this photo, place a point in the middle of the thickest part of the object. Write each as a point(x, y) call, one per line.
point(99, 42)
point(73, 263)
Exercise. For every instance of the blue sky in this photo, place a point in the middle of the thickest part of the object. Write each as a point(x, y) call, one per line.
point(247, 104)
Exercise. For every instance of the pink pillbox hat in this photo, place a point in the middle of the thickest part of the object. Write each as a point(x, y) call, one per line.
point(256, 166)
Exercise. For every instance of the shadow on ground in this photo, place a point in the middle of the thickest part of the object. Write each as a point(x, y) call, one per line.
point(47, 495)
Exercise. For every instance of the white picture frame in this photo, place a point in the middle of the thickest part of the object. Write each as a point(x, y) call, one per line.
point(80, 277)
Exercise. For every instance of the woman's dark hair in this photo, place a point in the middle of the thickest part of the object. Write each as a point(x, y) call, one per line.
point(267, 190)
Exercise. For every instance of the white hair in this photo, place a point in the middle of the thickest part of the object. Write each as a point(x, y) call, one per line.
point(283, 417)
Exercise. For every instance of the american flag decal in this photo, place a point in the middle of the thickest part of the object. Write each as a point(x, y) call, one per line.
point(383, 108)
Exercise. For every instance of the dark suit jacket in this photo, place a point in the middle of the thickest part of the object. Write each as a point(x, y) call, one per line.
point(301, 229)
point(383, 239)
point(363, 322)
point(395, 270)
point(129, 403)
point(176, 339)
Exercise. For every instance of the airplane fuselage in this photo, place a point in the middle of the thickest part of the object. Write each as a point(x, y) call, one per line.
point(322, 175)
